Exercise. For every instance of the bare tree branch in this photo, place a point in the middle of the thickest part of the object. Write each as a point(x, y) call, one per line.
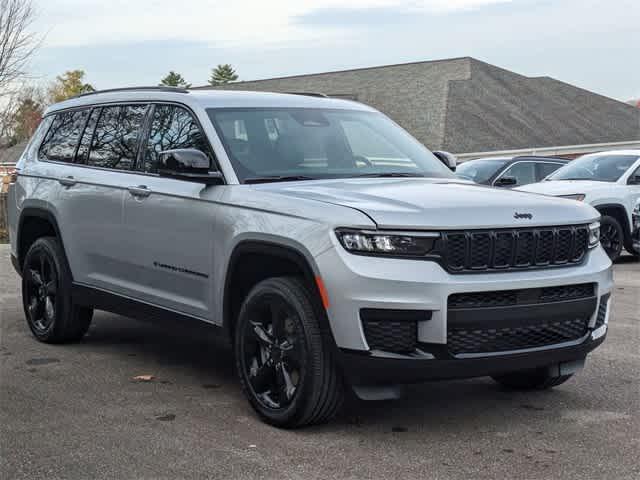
point(17, 42)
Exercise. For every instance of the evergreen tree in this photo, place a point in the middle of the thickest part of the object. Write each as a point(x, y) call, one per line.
point(174, 79)
point(222, 75)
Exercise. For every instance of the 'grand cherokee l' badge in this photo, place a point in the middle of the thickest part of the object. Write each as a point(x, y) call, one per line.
point(528, 216)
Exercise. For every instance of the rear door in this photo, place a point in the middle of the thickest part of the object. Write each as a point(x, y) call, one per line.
point(105, 157)
point(169, 224)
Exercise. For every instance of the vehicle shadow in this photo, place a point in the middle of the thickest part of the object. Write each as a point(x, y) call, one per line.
point(186, 352)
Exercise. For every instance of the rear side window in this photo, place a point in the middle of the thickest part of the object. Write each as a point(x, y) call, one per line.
point(116, 137)
point(172, 127)
point(61, 141)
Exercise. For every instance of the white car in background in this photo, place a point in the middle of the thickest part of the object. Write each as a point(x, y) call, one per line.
point(610, 182)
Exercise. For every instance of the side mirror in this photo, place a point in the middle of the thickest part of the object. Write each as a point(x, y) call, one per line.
point(634, 179)
point(506, 182)
point(449, 159)
point(187, 164)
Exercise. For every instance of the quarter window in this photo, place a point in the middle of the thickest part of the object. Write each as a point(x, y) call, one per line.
point(115, 141)
point(172, 128)
point(62, 139)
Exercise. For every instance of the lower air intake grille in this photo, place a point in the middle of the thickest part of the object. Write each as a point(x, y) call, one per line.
point(602, 311)
point(392, 330)
point(460, 341)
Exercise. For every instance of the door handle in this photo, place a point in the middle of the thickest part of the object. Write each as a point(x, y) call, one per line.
point(67, 181)
point(140, 191)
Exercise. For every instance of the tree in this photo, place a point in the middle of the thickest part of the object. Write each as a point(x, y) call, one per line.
point(174, 79)
point(27, 115)
point(69, 85)
point(222, 75)
point(17, 42)
point(21, 115)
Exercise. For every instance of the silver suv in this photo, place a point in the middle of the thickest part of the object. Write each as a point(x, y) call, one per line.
point(335, 251)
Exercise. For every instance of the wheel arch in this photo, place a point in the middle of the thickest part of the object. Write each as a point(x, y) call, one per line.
point(255, 260)
point(619, 212)
point(34, 223)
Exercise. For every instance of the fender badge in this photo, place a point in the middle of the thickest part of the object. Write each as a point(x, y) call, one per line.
point(528, 216)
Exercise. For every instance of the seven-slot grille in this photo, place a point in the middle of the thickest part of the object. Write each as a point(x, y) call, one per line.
point(521, 248)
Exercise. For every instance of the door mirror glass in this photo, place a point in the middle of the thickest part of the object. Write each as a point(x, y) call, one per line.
point(187, 164)
point(506, 182)
point(634, 179)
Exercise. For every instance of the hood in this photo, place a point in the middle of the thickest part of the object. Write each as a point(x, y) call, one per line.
point(564, 187)
point(420, 203)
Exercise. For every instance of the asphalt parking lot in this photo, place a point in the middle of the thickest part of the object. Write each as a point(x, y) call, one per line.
point(75, 411)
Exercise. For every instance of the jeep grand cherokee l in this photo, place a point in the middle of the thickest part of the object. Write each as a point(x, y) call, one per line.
point(333, 249)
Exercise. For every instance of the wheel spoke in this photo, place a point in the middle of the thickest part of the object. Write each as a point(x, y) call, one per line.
point(51, 288)
point(286, 386)
point(262, 379)
point(264, 337)
point(35, 277)
point(277, 320)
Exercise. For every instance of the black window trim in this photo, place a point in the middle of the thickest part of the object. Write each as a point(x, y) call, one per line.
point(215, 165)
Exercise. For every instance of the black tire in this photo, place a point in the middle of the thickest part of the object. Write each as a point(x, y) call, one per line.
point(611, 236)
point(286, 364)
point(537, 379)
point(46, 295)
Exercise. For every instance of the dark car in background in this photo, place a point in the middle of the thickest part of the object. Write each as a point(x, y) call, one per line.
point(509, 171)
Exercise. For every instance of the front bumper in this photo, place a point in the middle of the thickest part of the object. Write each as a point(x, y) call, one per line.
point(367, 368)
point(356, 284)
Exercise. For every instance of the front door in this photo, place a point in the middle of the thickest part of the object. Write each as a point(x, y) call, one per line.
point(168, 223)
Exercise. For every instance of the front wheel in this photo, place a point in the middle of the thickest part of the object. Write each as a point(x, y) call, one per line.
point(285, 362)
point(537, 379)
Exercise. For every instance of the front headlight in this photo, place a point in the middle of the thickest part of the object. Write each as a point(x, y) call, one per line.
point(594, 234)
point(577, 196)
point(391, 243)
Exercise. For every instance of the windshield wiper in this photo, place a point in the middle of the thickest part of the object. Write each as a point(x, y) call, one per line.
point(277, 178)
point(391, 175)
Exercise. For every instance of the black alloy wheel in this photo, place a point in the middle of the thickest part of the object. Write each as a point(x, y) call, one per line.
point(41, 291)
point(286, 363)
point(273, 352)
point(611, 237)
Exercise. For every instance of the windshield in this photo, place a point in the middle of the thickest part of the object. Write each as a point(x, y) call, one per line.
point(480, 171)
point(301, 143)
point(601, 168)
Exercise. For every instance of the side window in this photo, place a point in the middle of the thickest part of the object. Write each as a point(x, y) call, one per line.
point(546, 169)
point(115, 141)
point(62, 139)
point(523, 172)
point(85, 140)
point(172, 127)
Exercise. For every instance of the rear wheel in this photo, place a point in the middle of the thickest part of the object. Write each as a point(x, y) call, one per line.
point(46, 295)
point(285, 363)
point(611, 237)
point(537, 379)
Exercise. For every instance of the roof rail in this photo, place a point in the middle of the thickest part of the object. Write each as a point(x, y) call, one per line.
point(309, 94)
point(133, 89)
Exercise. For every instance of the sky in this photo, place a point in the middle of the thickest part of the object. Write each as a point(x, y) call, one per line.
point(594, 44)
